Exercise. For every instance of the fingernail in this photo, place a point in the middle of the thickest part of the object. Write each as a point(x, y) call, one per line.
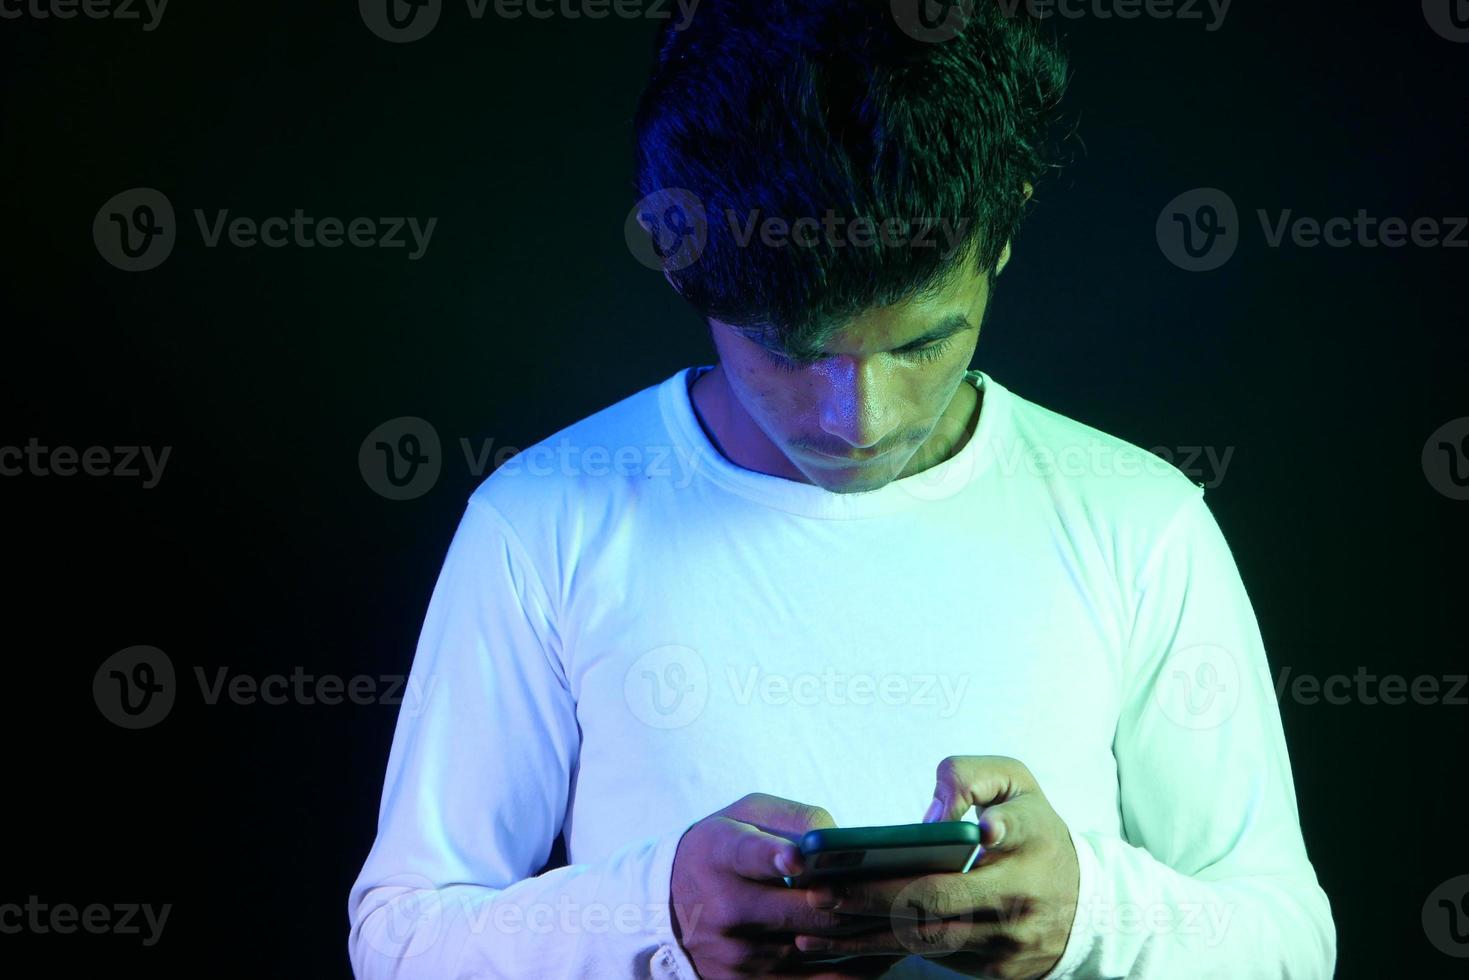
point(824, 898)
point(935, 810)
point(782, 863)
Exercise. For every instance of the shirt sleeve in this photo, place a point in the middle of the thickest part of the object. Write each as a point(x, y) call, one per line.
point(1209, 877)
point(477, 786)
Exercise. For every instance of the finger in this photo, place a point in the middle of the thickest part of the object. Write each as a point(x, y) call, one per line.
point(966, 781)
point(755, 855)
point(774, 909)
point(769, 955)
point(856, 968)
point(1003, 827)
point(933, 937)
point(979, 893)
point(776, 815)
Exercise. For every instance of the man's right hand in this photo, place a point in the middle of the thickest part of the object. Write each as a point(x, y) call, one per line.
point(733, 913)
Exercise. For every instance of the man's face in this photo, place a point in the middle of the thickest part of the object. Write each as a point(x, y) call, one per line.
point(883, 402)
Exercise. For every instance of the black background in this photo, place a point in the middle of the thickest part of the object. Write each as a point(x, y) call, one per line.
point(263, 548)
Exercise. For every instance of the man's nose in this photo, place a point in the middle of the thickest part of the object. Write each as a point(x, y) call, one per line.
point(856, 401)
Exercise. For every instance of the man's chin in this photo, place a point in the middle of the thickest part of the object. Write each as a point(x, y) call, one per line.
point(854, 477)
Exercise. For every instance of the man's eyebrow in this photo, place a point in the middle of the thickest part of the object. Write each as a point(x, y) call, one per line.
point(947, 327)
point(943, 329)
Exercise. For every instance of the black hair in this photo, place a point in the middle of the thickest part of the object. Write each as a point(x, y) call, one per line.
point(844, 107)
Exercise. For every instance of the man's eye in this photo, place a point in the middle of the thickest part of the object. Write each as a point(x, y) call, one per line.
point(780, 361)
point(931, 352)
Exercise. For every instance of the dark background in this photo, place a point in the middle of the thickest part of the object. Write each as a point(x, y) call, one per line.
point(263, 548)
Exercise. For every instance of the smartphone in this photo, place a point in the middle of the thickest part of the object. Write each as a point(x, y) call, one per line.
point(846, 853)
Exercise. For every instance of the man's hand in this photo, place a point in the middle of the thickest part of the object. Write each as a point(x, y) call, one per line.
point(1009, 917)
point(732, 912)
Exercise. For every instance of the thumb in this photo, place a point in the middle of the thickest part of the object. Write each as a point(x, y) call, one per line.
point(1002, 826)
point(757, 856)
point(776, 815)
point(964, 782)
point(770, 827)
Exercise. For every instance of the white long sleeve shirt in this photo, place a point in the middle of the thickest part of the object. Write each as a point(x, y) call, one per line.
point(631, 632)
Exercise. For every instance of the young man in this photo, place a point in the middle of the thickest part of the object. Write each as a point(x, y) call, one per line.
point(839, 579)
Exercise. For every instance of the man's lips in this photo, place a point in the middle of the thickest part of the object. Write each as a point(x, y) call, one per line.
point(852, 459)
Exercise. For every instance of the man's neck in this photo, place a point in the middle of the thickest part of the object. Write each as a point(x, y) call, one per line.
point(953, 431)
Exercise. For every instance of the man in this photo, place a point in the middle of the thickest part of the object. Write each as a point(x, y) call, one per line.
point(839, 579)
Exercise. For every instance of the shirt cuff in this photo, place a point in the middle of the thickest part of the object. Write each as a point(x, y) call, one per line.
point(1083, 934)
point(669, 961)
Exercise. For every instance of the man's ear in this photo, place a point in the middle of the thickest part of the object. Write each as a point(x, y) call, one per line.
point(1027, 189)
